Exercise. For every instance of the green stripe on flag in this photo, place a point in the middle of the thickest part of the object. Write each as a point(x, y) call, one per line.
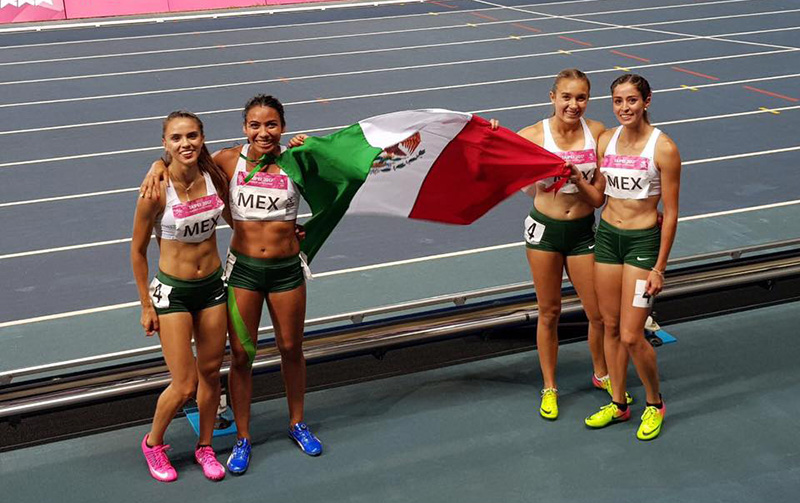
point(242, 334)
point(328, 170)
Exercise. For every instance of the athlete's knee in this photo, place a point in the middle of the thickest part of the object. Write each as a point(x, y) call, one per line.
point(291, 349)
point(631, 338)
point(209, 371)
point(610, 327)
point(185, 387)
point(239, 358)
point(549, 314)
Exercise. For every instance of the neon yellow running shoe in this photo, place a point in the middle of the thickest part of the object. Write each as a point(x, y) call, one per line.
point(608, 414)
point(605, 383)
point(652, 419)
point(549, 407)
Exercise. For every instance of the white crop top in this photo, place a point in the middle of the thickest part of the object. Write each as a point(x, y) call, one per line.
point(631, 176)
point(584, 159)
point(266, 197)
point(193, 221)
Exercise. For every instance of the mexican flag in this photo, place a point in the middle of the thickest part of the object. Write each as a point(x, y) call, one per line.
point(429, 164)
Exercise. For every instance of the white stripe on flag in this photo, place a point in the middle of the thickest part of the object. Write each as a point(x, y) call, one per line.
point(392, 186)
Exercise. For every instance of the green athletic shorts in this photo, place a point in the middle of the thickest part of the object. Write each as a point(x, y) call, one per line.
point(263, 275)
point(568, 237)
point(637, 247)
point(173, 295)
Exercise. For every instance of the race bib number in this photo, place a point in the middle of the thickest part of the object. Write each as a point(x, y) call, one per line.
point(159, 294)
point(533, 231)
point(230, 261)
point(639, 298)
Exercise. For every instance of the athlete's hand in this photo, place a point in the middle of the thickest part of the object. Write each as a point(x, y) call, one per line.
point(494, 124)
point(297, 140)
point(300, 232)
point(151, 186)
point(575, 174)
point(655, 283)
point(149, 321)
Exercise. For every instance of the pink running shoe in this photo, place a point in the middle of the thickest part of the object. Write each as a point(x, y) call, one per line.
point(212, 469)
point(158, 462)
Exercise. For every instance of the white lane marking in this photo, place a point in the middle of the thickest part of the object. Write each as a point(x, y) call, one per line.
point(96, 244)
point(374, 51)
point(741, 156)
point(127, 240)
point(384, 265)
point(572, 17)
point(663, 123)
point(431, 65)
point(214, 47)
point(379, 33)
point(392, 93)
point(150, 20)
point(71, 196)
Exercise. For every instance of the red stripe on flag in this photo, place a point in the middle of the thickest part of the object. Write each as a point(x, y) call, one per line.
point(478, 169)
point(696, 74)
point(774, 95)
point(581, 42)
point(626, 55)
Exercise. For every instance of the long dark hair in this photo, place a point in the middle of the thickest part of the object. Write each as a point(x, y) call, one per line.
point(204, 160)
point(641, 85)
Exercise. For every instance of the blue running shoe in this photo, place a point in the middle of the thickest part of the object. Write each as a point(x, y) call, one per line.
point(239, 459)
point(306, 440)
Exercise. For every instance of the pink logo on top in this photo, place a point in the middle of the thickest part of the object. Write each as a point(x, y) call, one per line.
point(196, 206)
point(626, 162)
point(265, 180)
point(578, 156)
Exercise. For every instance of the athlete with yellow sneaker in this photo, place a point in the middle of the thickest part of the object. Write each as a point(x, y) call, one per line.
point(640, 167)
point(559, 232)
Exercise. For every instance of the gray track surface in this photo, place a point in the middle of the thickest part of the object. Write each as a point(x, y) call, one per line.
point(55, 87)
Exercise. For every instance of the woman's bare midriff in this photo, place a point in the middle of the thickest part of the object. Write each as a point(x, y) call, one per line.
point(188, 261)
point(632, 213)
point(265, 239)
point(560, 206)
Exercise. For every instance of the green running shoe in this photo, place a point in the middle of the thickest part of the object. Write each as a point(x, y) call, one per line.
point(652, 419)
point(549, 406)
point(608, 414)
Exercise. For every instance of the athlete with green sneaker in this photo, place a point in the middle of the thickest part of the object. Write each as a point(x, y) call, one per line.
point(640, 167)
point(559, 232)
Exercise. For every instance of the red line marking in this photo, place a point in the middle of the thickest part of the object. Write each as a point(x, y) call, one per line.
point(637, 58)
point(587, 44)
point(684, 70)
point(440, 4)
point(774, 95)
point(529, 28)
point(484, 16)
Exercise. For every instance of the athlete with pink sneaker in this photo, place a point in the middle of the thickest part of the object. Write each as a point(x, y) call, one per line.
point(186, 299)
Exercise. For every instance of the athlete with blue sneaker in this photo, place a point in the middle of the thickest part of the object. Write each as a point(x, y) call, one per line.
point(263, 264)
point(641, 168)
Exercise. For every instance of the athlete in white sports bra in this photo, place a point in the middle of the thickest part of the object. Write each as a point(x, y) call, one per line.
point(186, 298)
point(559, 232)
point(641, 167)
point(263, 264)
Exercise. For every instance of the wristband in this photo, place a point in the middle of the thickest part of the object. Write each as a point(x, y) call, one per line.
point(660, 273)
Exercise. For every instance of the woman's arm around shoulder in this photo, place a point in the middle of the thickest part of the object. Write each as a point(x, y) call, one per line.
point(226, 159)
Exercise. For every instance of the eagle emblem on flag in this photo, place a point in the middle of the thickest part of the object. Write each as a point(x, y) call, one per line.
point(399, 155)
